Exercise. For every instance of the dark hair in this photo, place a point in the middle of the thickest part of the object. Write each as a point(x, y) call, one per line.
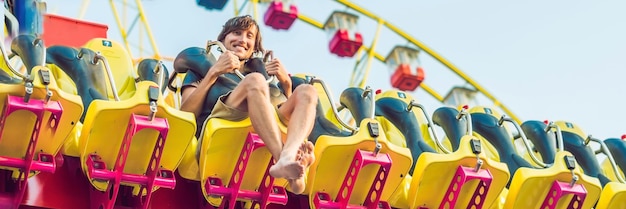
point(242, 23)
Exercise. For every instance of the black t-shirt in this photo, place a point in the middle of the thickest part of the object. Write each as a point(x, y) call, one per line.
point(224, 83)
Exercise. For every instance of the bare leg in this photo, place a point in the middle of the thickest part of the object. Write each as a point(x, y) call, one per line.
point(299, 109)
point(252, 95)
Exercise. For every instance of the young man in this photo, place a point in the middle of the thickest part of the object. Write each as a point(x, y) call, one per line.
point(251, 98)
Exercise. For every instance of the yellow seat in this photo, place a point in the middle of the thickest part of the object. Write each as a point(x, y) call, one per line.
point(19, 124)
point(434, 172)
point(531, 187)
point(120, 63)
point(400, 197)
point(222, 146)
point(335, 156)
point(103, 134)
point(66, 84)
point(121, 66)
point(188, 167)
point(613, 196)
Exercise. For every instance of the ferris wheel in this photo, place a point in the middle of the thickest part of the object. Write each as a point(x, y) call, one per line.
point(370, 46)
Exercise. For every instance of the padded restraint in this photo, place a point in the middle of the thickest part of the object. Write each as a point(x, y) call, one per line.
point(543, 141)
point(617, 148)
point(487, 126)
point(394, 110)
point(88, 77)
point(198, 61)
point(145, 70)
point(195, 59)
point(31, 54)
point(575, 144)
point(360, 107)
point(445, 117)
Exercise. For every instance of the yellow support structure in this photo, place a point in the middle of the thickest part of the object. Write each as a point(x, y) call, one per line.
point(121, 27)
point(144, 20)
point(124, 32)
point(370, 54)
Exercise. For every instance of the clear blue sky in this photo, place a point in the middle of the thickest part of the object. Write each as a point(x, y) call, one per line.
point(545, 60)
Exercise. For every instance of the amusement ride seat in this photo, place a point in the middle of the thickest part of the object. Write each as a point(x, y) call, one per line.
point(613, 193)
point(148, 146)
point(363, 184)
point(532, 187)
point(35, 120)
point(137, 142)
point(575, 141)
point(487, 126)
point(460, 167)
point(80, 72)
point(121, 65)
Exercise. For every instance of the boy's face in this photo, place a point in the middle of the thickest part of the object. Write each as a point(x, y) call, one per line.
point(241, 42)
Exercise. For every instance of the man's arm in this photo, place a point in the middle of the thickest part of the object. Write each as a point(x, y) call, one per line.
point(193, 96)
point(275, 67)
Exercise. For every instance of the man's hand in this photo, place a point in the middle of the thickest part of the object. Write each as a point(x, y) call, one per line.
point(226, 63)
point(275, 67)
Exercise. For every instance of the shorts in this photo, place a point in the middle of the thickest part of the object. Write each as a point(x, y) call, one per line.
point(223, 111)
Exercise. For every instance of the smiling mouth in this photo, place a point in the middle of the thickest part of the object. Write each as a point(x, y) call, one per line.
point(241, 47)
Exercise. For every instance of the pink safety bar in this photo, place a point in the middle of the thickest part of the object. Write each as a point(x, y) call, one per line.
point(372, 201)
point(267, 192)
point(154, 177)
point(560, 189)
point(45, 161)
point(462, 176)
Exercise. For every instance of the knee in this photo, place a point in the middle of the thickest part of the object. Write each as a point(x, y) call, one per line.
point(306, 94)
point(255, 82)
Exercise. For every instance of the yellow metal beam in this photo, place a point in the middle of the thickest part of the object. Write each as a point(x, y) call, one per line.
point(255, 9)
point(83, 9)
point(121, 27)
point(370, 53)
point(310, 21)
point(144, 20)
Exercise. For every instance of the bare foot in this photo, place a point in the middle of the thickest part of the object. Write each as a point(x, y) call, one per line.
point(305, 154)
point(297, 185)
point(287, 168)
